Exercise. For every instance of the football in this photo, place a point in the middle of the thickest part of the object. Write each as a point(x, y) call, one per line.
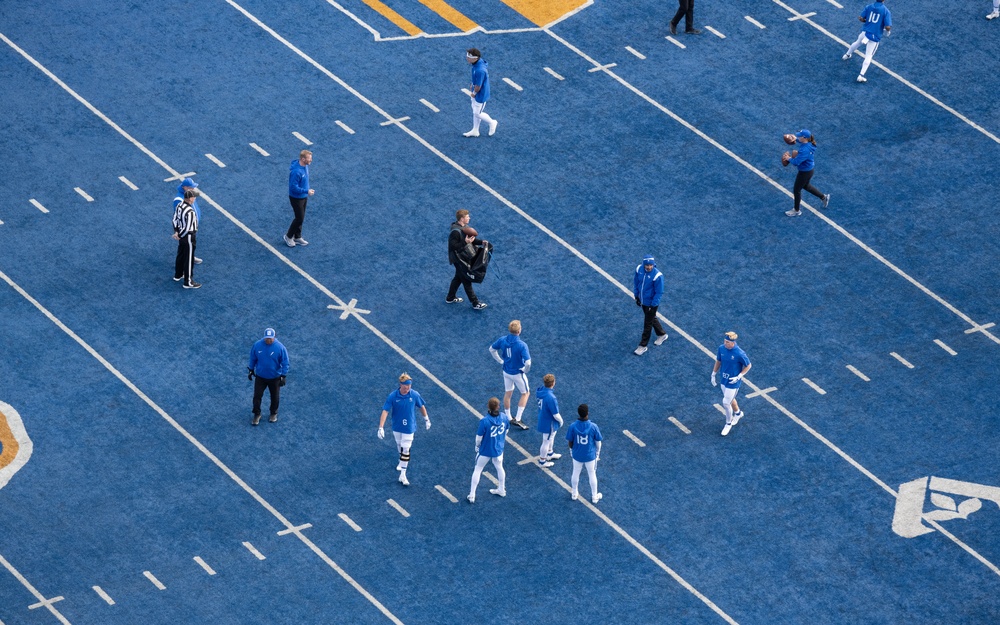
point(789, 139)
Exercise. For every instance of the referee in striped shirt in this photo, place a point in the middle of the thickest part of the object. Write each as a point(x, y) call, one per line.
point(185, 231)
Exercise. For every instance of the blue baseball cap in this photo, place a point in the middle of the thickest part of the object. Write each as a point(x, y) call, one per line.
point(269, 333)
point(804, 134)
point(187, 182)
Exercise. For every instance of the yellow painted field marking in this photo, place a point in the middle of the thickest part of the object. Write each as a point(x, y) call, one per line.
point(9, 443)
point(544, 12)
point(450, 14)
point(393, 17)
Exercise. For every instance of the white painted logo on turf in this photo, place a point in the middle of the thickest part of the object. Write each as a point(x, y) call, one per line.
point(15, 446)
point(909, 516)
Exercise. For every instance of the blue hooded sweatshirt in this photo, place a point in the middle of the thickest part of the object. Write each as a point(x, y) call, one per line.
point(648, 285)
point(298, 180)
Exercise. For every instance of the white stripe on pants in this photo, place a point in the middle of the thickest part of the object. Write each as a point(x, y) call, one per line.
point(870, 48)
point(548, 440)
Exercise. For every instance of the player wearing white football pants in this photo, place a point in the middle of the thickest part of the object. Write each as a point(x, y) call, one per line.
point(734, 364)
point(585, 441)
point(876, 18)
point(480, 89)
point(490, 438)
point(402, 403)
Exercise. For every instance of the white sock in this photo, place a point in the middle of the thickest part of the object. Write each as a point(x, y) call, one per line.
point(520, 411)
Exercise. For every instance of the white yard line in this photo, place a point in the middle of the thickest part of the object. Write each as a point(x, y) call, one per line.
point(259, 149)
point(301, 138)
point(253, 550)
point(103, 595)
point(153, 579)
point(673, 41)
point(204, 565)
point(444, 491)
point(855, 371)
point(901, 359)
point(813, 386)
point(553, 73)
point(754, 22)
point(635, 53)
point(635, 439)
point(429, 105)
point(128, 183)
point(715, 32)
point(38, 205)
point(679, 425)
point(83, 194)
point(513, 84)
point(215, 160)
point(346, 519)
point(345, 127)
point(398, 508)
point(943, 346)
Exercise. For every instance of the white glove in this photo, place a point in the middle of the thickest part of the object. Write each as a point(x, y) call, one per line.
point(735, 380)
point(597, 459)
point(477, 450)
point(714, 383)
point(527, 366)
point(381, 433)
point(427, 424)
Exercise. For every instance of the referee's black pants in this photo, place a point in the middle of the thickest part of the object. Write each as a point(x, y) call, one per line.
point(685, 10)
point(299, 208)
point(802, 181)
point(650, 323)
point(184, 266)
point(271, 384)
point(461, 279)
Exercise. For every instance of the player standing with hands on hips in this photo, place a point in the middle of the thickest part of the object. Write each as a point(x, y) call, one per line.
point(490, 439)
point(803, 158)
point(734, 364)
point(480, 89)
point(875, 18)
point(402, 403)
point(512, 353)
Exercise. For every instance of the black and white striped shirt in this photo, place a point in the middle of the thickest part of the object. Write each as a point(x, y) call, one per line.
point(185, 220)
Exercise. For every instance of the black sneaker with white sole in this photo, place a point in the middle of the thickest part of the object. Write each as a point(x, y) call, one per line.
point(479, 306)
point(457, 300)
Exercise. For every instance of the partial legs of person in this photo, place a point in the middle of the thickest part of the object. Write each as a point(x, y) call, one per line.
point(501, 488)
point(996, 11)
point(729, 405)
point(520, 382)
point(476, 473)
point(295, 228)
point(650, 322)
point(403, 443)
point(802, 181)
point(870, 48)
point(479, 115)
point(685, 9)
point(546, 453)
point(481, 462)
point(578, 466)
point(463, 280)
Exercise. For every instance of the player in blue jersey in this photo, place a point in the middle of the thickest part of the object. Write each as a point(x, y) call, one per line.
point(490, 439)
point(512, 353)
point(876, 18)
point(733, 363)
point(647, 287)
point(549, 420)
point(804, 160)
point(402, 403)
point(585, 441)
point(480, 89)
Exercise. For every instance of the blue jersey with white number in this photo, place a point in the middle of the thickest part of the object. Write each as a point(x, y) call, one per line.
point(584, 435)
point(513, 351)
point(876, 17)
point(733, 361)
point(547, 406)
point(402, 408)
point(494, 433)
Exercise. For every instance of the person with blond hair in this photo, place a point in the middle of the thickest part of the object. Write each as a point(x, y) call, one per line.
point(512, 353)
point(402, 404)
point(490, 438)
point(733, 363)
point(298, 196)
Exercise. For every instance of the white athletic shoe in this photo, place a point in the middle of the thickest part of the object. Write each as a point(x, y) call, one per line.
point(737, 417)
point(471, 498)
point(826, 200)
point(497, 491)
point(639, 351)
point(553, 456)
point(197, 260)
point(574, 496)
point(288, 242)
point(862, 78)
point(993, 15)
point(301, 241)
point(794, 213)
point(847, 56)
point(597, 497)
point(725, 430)
point(493, 127)
point(471, 133)
point(544, 464)
point(403, 480)
point(660, 339)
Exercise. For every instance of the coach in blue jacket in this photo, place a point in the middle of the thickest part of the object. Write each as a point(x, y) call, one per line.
point(269, 363)
point(648, 289)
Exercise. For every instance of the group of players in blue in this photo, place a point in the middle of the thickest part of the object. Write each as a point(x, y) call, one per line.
point(583, 436)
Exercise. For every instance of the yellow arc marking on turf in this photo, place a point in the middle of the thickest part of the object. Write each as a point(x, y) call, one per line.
point(450, 14)
point(15, 446)
point(544, 12)
point(393, 17)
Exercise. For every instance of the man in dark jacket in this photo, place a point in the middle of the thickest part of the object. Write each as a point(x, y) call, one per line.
point(462, 244)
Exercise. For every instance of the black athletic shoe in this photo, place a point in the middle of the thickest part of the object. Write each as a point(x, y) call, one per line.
point(193, 285)
point(256, 420)
point(273, 418)
point(673, 29)
point(692, 31)
point(519, 424)
point(479, 306)
point(457, 300)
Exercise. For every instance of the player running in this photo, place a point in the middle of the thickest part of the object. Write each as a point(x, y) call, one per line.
point(875, 18)
point(490, 439)
point(512, 353)
point(734, 364)
point(402, 403)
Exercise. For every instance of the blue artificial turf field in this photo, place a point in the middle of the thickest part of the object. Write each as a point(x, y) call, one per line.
point(865, 322)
